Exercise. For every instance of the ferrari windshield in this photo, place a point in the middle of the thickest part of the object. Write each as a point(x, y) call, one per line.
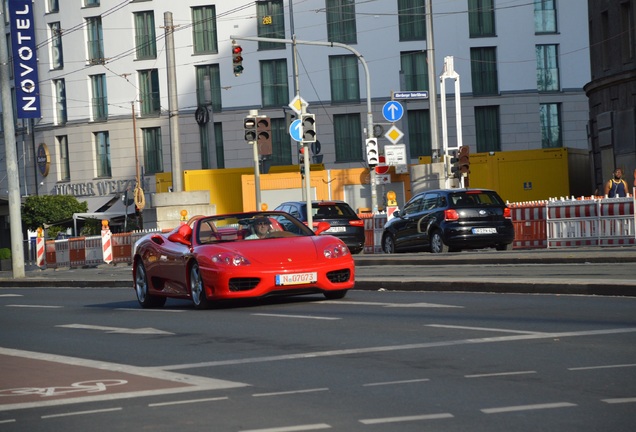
point(248, 226)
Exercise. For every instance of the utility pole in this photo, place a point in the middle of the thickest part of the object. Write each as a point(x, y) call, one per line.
point(173, 105)
point(432, 80)
point(13, 176)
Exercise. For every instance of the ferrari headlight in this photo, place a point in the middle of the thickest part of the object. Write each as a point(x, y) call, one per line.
point(230, 259)
point(336, 251)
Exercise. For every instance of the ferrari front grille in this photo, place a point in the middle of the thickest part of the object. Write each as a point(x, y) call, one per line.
point(243, 284)
point(337, 276)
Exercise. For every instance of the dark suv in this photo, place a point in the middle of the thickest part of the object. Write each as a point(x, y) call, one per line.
point(345, 223)
point(449, 220)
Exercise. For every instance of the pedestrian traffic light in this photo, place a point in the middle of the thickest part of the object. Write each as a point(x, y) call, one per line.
point(237, 59)
point(453, 164)
point(301, 159)
point(264, 135)
point(309, 128)
point(372, 152)
point(464, 160)
point(249, 124)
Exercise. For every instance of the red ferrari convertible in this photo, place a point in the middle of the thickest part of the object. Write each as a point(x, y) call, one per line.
point(238, 256)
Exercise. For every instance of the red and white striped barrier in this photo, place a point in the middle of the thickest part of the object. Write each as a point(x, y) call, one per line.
point(107, 245)
point(94, 255)
point(39, 252)
point(529, 222)
point(616, 225)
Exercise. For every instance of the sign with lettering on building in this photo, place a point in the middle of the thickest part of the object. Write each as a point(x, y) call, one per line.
point(25, 64)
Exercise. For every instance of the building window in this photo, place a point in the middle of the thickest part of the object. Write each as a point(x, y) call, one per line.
point(341, 21)
point(95, 40)
point(483, 71)
point(52, 6)
point(149, 92)
point(55, 35)
point(345, 82)
point(145, 40)
point(481, 18)
point(412, 20)
point(271, 23)
point(550, 117)
point(99, 100)
point(281, 143)
point(348, 137)
point(218, 140)
point(544, 16)
point(627, 32)
point(153, 153)
point(547, 68)
point(59, 87)
point(415, 70)
point(204, 134)
point(211, 73)
point(102, 151)
point(65, 165)
point(488, 135)
point(204, 30)
point(274, 87)
point(91, 3)
point(419, 133)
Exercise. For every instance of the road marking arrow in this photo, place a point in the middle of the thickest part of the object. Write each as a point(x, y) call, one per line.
point(139, 331)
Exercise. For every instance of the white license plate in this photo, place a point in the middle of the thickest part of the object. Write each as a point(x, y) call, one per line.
point(296, 278)
point(336, 229)
point(484, 230)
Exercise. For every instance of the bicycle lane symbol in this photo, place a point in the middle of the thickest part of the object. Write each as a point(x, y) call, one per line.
point(94, 386)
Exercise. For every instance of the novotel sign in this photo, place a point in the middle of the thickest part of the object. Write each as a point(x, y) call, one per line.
point(25, 64)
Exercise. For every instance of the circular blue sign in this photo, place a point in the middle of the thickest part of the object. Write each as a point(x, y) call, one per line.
point(392, 111)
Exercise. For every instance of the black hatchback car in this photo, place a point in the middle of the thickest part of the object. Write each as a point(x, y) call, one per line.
point(449, 220)
point(345, 223)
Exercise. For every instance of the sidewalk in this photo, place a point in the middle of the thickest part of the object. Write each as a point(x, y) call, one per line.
point(406, 272)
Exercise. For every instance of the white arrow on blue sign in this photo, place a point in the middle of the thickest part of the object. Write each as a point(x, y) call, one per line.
point(392, 111)
point(296, 130)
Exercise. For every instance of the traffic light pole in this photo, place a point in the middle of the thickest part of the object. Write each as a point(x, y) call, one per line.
point(372, 177)
point(449, 73)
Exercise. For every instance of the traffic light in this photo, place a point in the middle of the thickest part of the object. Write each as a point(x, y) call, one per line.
point(264, 135)
point(290, 116)
point(249, 124)
point(453, 164)
point(309, 127)
point(237, 59)
point(372, 152)
point(301, 159)
point(464, 160)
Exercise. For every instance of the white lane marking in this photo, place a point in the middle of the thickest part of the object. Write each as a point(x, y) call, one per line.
point(388, 305)
point(620, 400)
point(308, 427)
point(499, 330)
point(150, 310)
point(395, 382)
point(406, 418)
point(602, 367)
point(7, 421)
point(342, 352)
point(11, 295)
point(184, 402)
point(190, 383)
point(137, 331)
point(81, 413)
point(291, 392)
point(516, 408)
point(499, 374)
point(34, 306)
point(297, 316)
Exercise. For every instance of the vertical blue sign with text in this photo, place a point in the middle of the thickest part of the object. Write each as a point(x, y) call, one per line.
point(25, 64)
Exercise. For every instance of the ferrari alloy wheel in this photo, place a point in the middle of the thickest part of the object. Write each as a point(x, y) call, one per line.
point(388, 244)
point(145, 299)
point(437, 243)
point(197, 290)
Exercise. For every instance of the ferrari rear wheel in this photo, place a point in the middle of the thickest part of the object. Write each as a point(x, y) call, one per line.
point(335, 295)
point(197, 290)
point(145, 299)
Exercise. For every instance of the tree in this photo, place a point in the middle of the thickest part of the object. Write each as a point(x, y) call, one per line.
point(50, 209)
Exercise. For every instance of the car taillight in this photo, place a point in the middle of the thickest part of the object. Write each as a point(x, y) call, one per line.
point(451, 215)
point(507, 213)
point(357, 222)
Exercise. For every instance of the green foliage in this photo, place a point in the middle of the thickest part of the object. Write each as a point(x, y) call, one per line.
point(49, 209)
point(91, 227)
point(5, 253)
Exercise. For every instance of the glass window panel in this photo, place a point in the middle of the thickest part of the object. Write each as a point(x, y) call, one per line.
point(59, 86)
point(274, 87)
point(550, 118)
point(204, 29)
point(57, 57)
point(65, 166)
point(145, 40)
point(281, 143)
point(415, 70)
point(487, 129)
point(483, 64)
point(481, 18)
point(545, 16)
point(149, 92)
point(53, 6)
point(412, 20)
point(348, 137)
point(153, 152)
point(99, 97)
point(212, 73)
point(271, 23)
point(102, 150)
point(547, 68)
point(345, 81)
point(95, 40)
point(419, 133)
point(341, 21)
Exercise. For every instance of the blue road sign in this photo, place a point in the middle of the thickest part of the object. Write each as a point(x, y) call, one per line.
point(392, 111)
point(296, 130)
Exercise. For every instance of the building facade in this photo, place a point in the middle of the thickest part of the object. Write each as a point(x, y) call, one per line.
point(107, 120)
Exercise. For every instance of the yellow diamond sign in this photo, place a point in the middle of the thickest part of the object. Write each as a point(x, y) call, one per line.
point(394, 135)
point(297, 104)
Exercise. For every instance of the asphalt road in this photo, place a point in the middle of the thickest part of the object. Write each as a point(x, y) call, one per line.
point(78, 359)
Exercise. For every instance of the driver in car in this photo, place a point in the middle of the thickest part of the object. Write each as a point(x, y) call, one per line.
point(261, 227)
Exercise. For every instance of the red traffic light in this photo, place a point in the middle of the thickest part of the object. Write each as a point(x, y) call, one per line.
point(237, 49)
point(237, 59)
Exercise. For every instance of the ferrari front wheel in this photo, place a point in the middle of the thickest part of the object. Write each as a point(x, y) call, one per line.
point(197, 290)
point(145, 299)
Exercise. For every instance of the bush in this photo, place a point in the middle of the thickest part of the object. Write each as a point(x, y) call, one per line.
point(5, 253)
